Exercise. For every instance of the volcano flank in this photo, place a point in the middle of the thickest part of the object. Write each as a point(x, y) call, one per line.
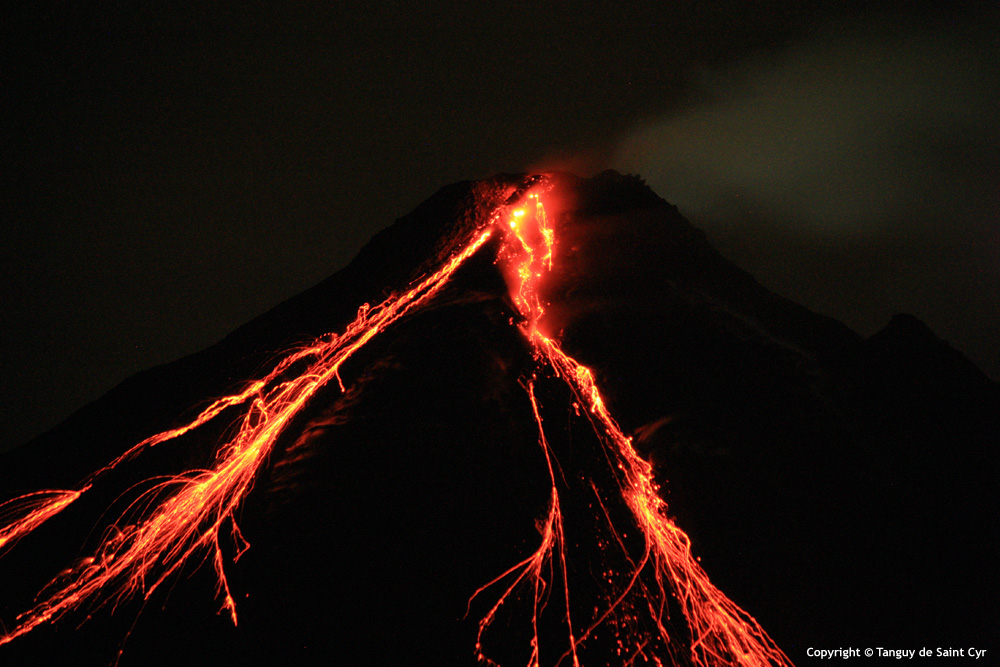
point(557, 404)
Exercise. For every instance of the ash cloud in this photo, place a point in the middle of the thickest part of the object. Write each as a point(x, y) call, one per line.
point(865, 160)
point(850, 132)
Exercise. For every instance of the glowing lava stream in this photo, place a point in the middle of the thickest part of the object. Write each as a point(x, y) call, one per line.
point(139, 557)
point(721, 633)
point(143, 550)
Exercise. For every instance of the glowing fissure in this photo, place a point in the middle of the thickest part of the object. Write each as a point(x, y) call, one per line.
point(181, 518)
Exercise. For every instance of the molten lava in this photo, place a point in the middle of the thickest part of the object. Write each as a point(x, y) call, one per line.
point(181, 519)
point(721, 633)
point(139, 556)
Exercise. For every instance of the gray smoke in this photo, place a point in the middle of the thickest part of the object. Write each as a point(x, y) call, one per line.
point(853, 131)
point(857, 172)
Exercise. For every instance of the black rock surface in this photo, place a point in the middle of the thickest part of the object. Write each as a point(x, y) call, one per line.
point(841, 490)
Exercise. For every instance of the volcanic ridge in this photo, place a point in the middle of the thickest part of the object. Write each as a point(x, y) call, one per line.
point(539, 420)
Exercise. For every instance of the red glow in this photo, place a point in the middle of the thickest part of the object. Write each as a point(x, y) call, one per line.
point(533, 568)
point(158, 537)
point(139, 556)
point(25, 513)
point(721, 632)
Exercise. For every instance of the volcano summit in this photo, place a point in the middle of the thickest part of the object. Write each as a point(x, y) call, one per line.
point(508, 433)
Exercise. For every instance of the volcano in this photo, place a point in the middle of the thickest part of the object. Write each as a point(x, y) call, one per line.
point(539, 420)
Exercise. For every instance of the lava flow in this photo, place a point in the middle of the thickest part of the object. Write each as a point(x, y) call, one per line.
point(138, 557)
point(182, 518)
point(721, 633)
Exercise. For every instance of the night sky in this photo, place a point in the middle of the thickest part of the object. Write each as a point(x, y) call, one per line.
point(169, 174)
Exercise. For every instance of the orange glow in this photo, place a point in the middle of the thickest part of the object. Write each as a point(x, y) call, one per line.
point(23, 514)
point(721, 633)
point(181, 518)
point(138, 556)
point(534, 567)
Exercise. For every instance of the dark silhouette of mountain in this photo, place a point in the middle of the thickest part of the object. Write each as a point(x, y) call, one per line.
point(841, 490)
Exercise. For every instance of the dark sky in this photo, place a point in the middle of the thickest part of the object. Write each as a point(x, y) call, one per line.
point(169, 174)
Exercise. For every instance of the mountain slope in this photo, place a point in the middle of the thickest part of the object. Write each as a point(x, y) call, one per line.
point(814, 471)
